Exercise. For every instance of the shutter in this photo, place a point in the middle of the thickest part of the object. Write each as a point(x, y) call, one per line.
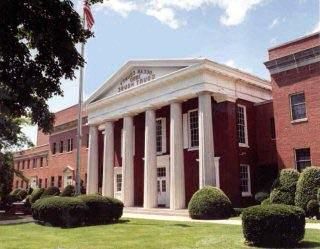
point(163, 135)
point(185, 130)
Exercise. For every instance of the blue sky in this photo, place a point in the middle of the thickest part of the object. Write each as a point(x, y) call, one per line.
point(235, 32)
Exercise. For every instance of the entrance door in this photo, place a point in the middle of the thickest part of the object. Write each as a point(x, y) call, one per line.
point(162, 186)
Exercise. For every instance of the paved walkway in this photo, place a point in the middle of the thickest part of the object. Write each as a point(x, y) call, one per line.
point(188, 219)
point(20, 220)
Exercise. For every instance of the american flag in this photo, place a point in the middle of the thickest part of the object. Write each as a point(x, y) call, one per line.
point(88, 15)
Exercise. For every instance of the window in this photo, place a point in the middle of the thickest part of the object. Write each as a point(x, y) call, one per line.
point(87, 142)
point(18, 166)
point(40, 183)
point(59, 181)
point(161, 172)
point(17, 184)
point(28, 164)
point(242, 125)
point(161, 135)
point(61, 146)
point(245, 183)
point(34, 164)
point(119, 182)
point(21, 184)
point(52, 181)
point(41, 162)
point(193, 125)
point(303, 158)
point(54, 148)
point(70, 144)
point(272, 128)
point(45, 182)
point(22, 165)
point(298, 106)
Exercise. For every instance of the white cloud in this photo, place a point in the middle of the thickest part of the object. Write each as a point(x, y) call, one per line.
point(316, 28)
point(232, 63)
point(120, 6)
point(273, 41)
point(165, 11)
point(273, 23)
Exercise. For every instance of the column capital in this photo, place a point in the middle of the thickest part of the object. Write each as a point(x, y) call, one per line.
point(204, 93)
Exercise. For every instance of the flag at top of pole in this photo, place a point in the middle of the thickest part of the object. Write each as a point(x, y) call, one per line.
point(88, 14)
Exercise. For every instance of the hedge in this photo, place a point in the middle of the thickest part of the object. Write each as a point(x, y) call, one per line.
point(60, 211)
point(273, 225)
point(36, 194)
point(266, 202)
point(68, 191)
point(51, 191)
point(284, 187)
point(210, 203)
point(312, 209)
point(101, 209)
point(307, 186)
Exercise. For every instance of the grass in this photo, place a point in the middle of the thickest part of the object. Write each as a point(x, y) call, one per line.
point(132, 233)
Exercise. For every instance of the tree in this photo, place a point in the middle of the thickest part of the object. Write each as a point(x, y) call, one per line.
point(37, 49)
point(6, 174)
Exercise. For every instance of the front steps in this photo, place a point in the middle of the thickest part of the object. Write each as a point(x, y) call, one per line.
point(156, 211)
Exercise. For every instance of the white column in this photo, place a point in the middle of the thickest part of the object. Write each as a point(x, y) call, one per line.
point(150, 199)
point(108, 160)
point(177, 184)
point(127, 163)
point(92, 171)
point(206, 145)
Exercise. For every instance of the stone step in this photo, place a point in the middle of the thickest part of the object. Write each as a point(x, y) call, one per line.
point(156, 211)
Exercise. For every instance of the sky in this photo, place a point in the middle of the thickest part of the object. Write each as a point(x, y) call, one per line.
point(237, 33)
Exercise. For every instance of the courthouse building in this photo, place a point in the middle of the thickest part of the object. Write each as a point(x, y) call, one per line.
point(158, 130)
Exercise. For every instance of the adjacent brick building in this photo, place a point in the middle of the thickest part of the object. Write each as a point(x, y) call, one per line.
point(295, 79)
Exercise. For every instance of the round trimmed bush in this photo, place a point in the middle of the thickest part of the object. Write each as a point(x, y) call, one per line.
point(60, 211)
point(266, 202)
point(68, 191)
point(284, 187)
point(36, 194)
point(210, 203)
point(307, 186)
point(51, 191)
point(273, 225)
point(101, 209)
point(261, 196)
point(312, 209)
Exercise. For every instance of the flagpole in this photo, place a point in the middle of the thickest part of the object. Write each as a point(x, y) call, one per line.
point(79, 130)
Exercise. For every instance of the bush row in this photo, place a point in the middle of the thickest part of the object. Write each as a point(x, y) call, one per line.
point(75, 211)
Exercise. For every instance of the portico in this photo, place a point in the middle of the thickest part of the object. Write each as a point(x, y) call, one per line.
point(146, 88)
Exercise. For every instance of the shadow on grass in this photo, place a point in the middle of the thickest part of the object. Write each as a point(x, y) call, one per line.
point(4, 217)
point(181, 225)
point(303, 244)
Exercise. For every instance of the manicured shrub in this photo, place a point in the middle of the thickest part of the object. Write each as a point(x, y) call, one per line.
point(101, 209)
point(237, 212)
point(60, 211)
point(284, 187)
point(261, 196)
point(307, 186)
point(273, 225)
point(51, 191)
point(36, 194)
point(68, 191)
point(210, 203)
point(312, 209)
point(266, 202)
point(318, 195)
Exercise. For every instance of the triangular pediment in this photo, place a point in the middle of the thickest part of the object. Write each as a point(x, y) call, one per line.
point(137, 73)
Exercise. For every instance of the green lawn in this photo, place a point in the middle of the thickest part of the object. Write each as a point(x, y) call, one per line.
point(132, 233)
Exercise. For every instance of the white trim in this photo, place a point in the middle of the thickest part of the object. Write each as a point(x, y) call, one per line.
point(117, 171)
point(246, 144)
point(163, 136)
point(248, 193)
point(190, 148)
point(217, 170)
point(185, 130)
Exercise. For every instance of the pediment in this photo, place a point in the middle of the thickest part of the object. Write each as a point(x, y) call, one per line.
point(137, 73)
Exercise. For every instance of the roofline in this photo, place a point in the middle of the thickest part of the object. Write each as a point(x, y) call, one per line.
point(295, 40)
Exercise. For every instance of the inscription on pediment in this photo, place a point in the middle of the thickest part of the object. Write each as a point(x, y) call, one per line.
point(136, 77)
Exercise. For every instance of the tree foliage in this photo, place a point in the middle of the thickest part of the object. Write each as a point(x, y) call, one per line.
point(37, 50)
point(6, 174)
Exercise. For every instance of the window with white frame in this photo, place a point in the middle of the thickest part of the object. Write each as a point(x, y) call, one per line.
point(118, 182)
point(193, 129)
point(242, 128)
point(161, 135)
point(298, 106)
point(303, 158)
point(69, 144)
point(245, 182)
